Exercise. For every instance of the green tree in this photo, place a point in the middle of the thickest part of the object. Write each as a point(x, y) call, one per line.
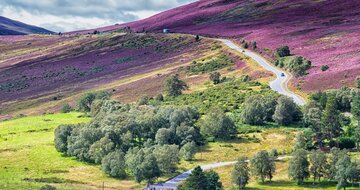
point(163, 136)
point(215, 77)
point(218, 125)
point(174, 86)
point(85, 102)
point(240, 173)
point(62, 134)
point(188, 151)
point(167, 157)
point(149, 168)
point(245, 45)
point(114, 164)
point(283, 51)
point(330, 119)
point(355, 107)
point(66, 108)
point(334, 156)
point(212, 179)
point(318, 163)
point(345, 171)
point(254, 111)
point(286, 111)
point(263, 165)
point(100, 149)
point(358, 82)
point(299, 166)
point(196, 181)
point(312, 118)
point(254, 45)
point(300, 141)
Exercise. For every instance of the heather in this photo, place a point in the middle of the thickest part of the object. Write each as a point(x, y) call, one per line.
point(46, 68)
point(324, 32)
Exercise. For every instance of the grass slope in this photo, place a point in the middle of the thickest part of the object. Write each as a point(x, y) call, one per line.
point(28, 159)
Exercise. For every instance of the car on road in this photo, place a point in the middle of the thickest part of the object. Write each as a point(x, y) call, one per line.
point(243, 51)
point(282, 74)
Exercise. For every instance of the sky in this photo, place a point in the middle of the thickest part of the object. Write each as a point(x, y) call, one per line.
point(72, 15)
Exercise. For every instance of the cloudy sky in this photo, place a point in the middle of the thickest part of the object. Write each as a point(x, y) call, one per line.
point(70, 15)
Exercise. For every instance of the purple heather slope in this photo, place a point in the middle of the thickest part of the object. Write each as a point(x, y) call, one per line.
point(324, 31)
point(12, 27)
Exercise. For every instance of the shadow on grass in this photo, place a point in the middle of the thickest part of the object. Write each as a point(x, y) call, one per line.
point(307, 184)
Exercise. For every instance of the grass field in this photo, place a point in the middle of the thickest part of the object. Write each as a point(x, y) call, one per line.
point(28, 159)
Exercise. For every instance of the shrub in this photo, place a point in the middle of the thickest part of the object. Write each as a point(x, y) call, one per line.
point(283, 51)
point(358, 82)
point(47, 187)
point(215, 77)
point(324, 67)
point(245, 45)
point(346, 143)
point(254, 46)
point(66, 108)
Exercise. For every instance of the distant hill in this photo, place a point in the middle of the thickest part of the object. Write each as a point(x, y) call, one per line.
point(12, 27)
point(324, 31)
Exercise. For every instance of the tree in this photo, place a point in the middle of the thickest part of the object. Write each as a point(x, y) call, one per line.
point(355, 107)
point(330, 119)
point(334, 157)
point(61, 137)
point(163, 136)
point(283, 51)
point(254, 45)
point(174, 86)
point(358, 82)
point(66, 108)
point(318, 164)
point(245, 45)
point(167, 157)
point(213, 180)
point(274, 153)
point(215, 77)
point(345, 171)
point(149, 168)
point(299, 166)
point(312, 118)
point(114, 164)
point(240, 173)
point(85, 102)
point(196, 181)
point(263, 166)
point(218, 125)
point(100, 149)
point(300, 141)
point(254, 111)
point(197, 38)
point(188, 151)
point(286, 111)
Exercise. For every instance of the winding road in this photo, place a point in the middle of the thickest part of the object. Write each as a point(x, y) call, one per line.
point(280, 84)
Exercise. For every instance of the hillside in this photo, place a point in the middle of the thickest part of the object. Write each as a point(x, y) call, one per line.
point(12, 27)
point(44, 72)
point(325, 32)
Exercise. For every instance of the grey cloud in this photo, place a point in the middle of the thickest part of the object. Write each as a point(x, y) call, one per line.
point(113, 11)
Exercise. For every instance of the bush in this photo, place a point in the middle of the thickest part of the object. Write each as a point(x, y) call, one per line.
point(212, 65)
point(47, 187)
point(283, 51)
point(174, 86)
point(245, 45)
point(324, 67)
point(66, 108)
point(346, 143)
point(215, 77)
point(358, 82)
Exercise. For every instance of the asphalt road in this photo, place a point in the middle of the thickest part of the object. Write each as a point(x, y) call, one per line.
point(280, 84)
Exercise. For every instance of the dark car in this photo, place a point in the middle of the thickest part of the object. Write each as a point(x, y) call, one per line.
point(282, 74)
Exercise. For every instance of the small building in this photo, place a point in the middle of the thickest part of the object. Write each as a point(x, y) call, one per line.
point(161, 186)
point(166, 30)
